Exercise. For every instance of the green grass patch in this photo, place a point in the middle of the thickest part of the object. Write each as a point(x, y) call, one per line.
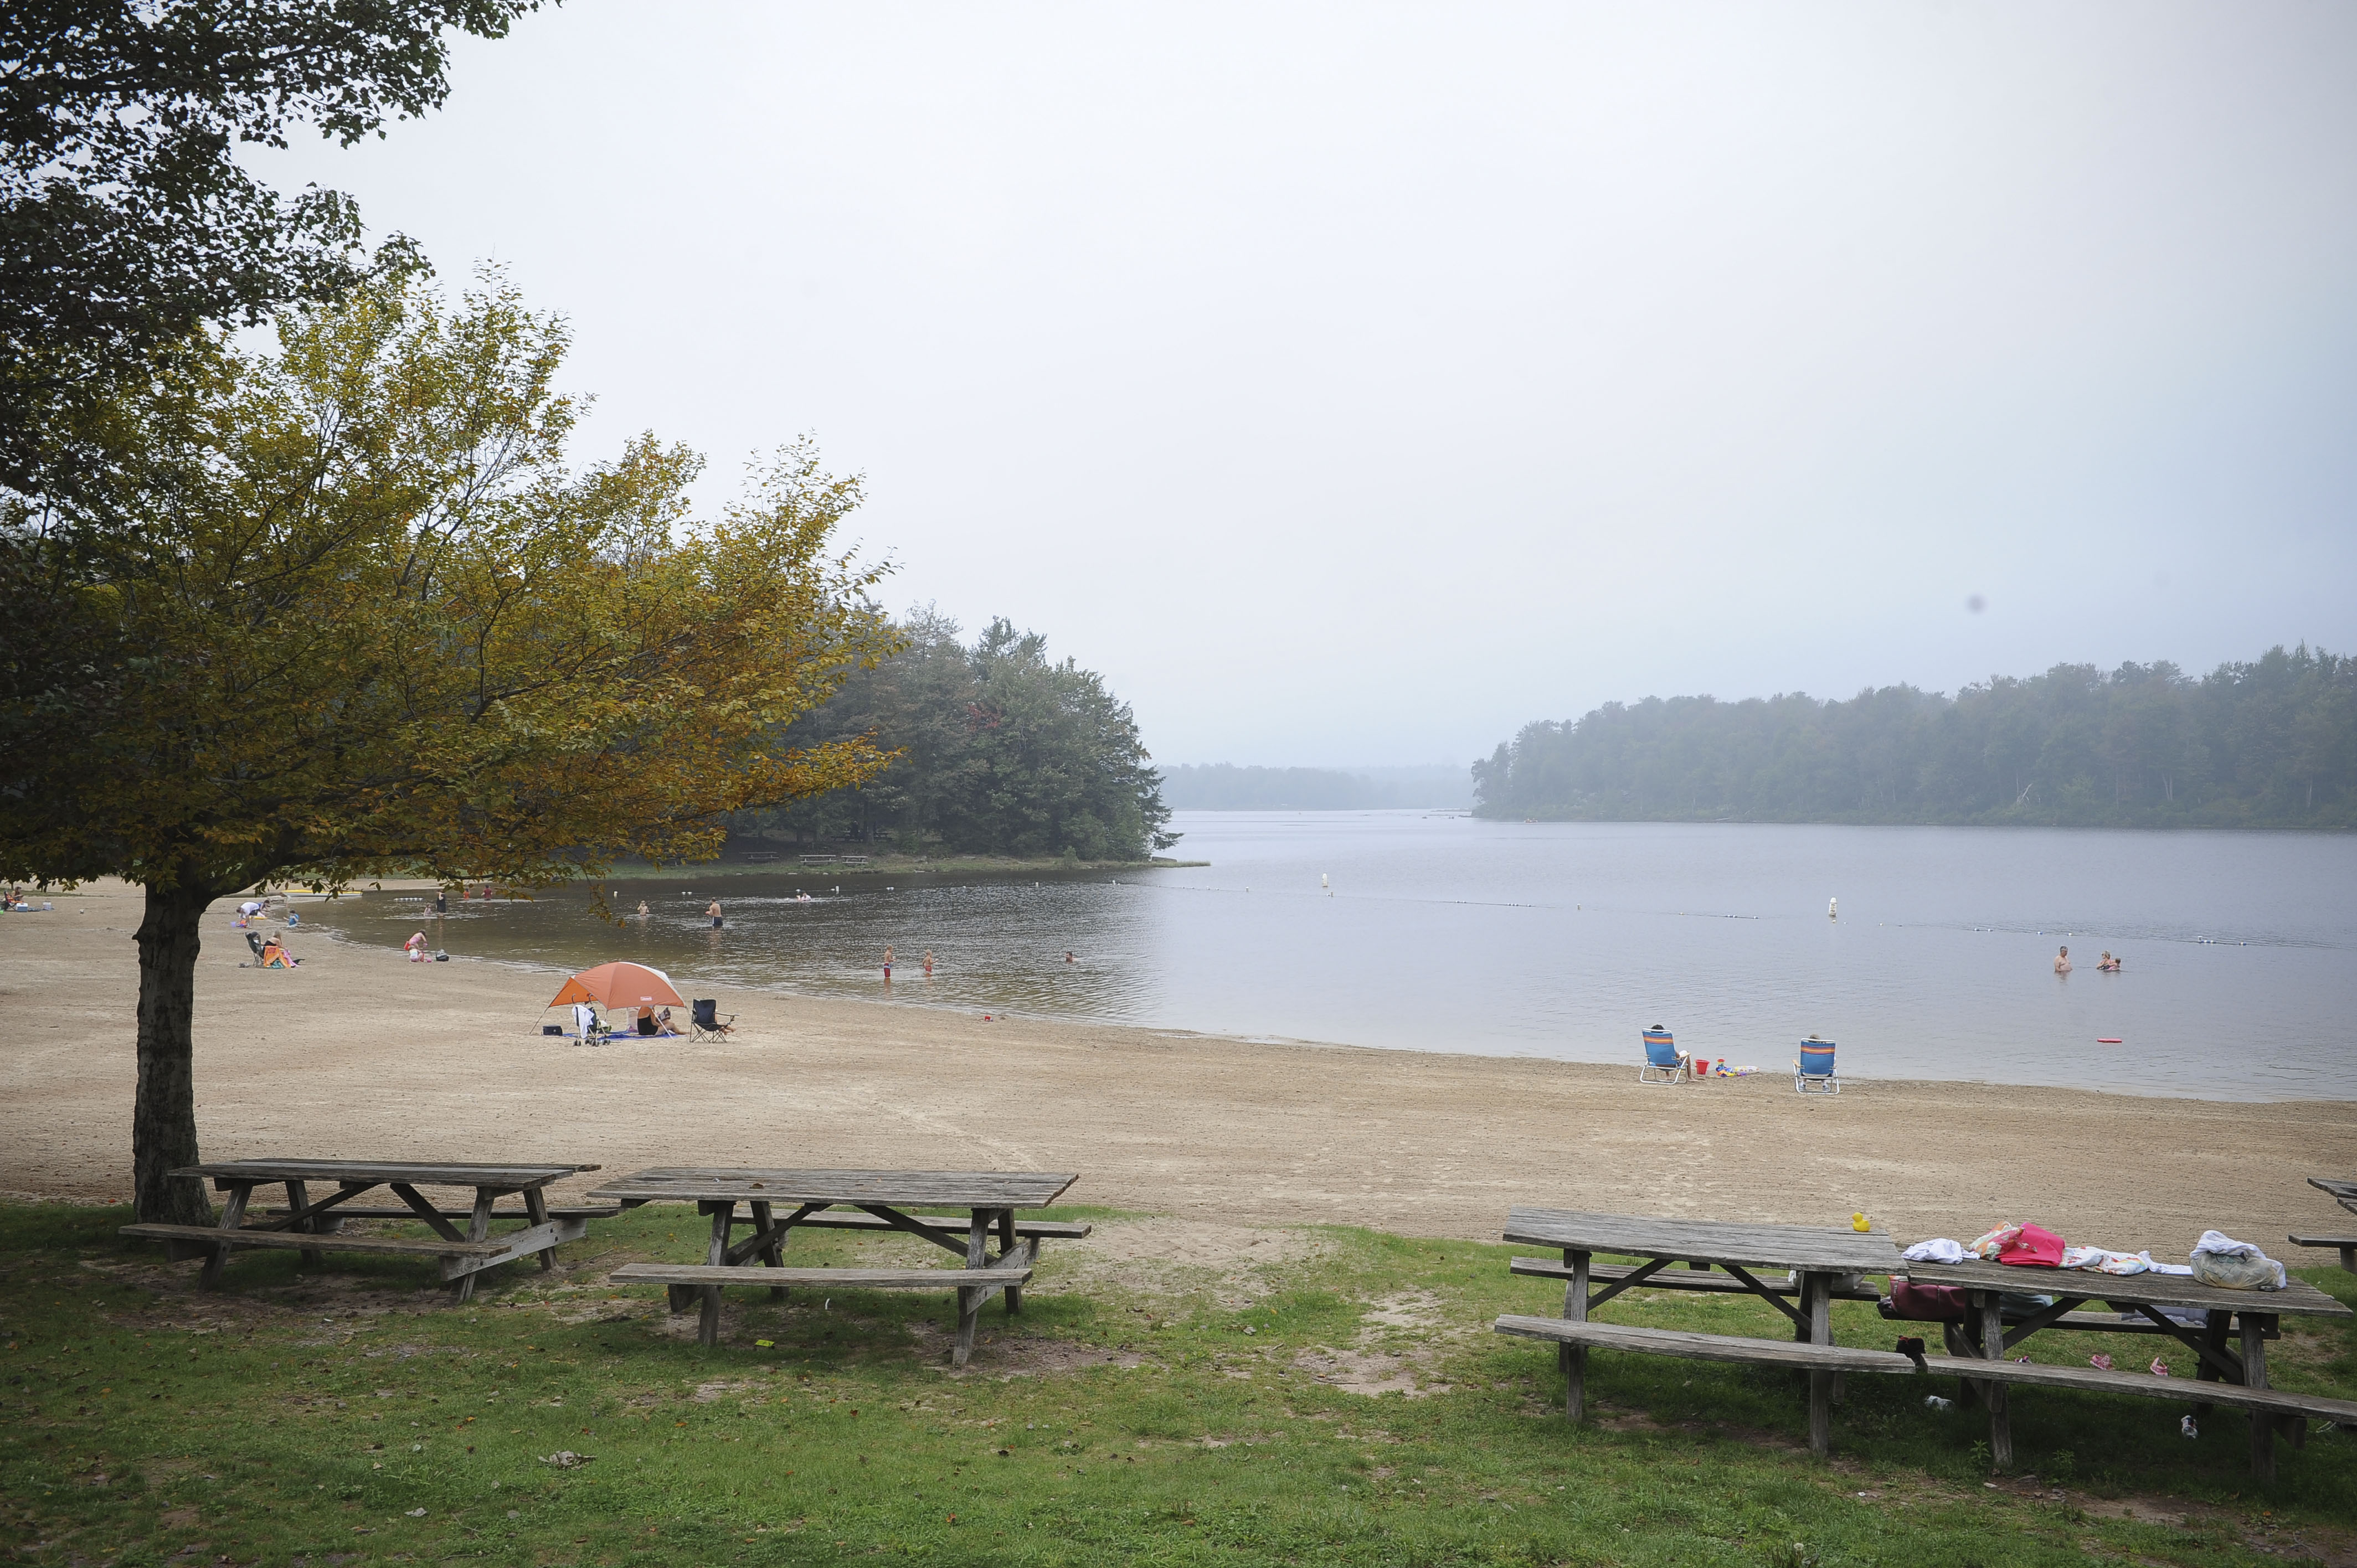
point(1134, 1413)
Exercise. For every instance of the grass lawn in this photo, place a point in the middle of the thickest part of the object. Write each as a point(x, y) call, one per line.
point(1136, 1412)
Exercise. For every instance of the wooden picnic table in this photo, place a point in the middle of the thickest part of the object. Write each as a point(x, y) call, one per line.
point(777, 1201)
point(1818, 1257)
point(2343, 1240)
point(2143, 1297)
point(315, 1227)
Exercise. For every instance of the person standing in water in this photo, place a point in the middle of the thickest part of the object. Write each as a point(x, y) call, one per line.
point(642, 908)
point(713, 909)
point(928, 963)
point(2062, 962)
point(887, 966)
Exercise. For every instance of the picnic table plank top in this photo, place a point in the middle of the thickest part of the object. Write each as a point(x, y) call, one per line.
point(892, 1189)
point(2346, 1191)
point(2299, 1300)
point(506, 1177)
point(1811, 1249)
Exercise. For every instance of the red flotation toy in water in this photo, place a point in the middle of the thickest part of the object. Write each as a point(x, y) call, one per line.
point(2100, 1041)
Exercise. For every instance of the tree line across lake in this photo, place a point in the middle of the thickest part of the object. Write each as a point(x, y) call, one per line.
point(2270, 743)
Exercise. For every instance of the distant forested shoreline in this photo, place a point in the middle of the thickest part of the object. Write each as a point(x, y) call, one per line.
point(2271, 743)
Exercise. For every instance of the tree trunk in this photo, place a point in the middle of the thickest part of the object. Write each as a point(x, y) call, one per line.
point(164, 1113)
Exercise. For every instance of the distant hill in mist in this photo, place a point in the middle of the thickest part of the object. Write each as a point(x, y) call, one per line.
point(1223, 787)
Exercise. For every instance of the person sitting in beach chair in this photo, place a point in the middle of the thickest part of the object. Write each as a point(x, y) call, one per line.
point(1813, 1070)
point(705, 1022)
point(1664, 1063)
point(272, 956)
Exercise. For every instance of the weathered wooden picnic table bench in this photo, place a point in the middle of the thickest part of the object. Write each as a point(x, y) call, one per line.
point(316, 1228)
point(1721, 1257)
point(1984, 1349)
point(874, 1200)
point(2343, 1240)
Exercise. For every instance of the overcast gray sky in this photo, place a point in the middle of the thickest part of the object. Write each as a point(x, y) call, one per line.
point(1356, 383)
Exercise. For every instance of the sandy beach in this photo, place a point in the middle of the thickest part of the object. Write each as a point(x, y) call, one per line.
point(359, 1053)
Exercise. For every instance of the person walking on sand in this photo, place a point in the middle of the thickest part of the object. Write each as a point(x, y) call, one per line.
point(713, 909)
point(2062, 962)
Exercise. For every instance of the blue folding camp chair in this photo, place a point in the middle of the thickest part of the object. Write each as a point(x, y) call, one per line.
point(1664, 1063)
point(704, 1023)
point(1813, 1070)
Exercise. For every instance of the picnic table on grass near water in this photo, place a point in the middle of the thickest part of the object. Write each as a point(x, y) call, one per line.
point(1719, 1257)
point(314, 1229)
point(2344, 1241)
point(777, 1202)
point(2144, 1301)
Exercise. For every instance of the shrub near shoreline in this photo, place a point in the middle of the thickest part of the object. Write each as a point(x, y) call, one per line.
point(1133, 1413)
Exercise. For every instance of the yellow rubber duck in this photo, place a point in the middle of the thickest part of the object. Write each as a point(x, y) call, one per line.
point(1858, 1222)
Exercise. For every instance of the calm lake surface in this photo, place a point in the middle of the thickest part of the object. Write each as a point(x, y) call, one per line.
point(1563, 939)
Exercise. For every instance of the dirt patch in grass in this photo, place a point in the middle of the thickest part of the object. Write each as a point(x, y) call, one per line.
point(1163, 1256)
point(1399, 1340)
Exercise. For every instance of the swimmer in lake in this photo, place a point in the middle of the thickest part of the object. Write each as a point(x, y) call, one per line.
point(2062, 962)
point(2107, 964)
point(642, 908)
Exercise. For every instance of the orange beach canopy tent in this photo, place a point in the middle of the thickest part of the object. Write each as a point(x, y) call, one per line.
point(620, 986)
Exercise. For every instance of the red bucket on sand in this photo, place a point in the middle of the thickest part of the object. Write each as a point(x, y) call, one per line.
point(1702, 1067)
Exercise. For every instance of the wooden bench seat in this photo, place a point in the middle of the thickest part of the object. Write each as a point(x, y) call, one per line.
point(1704, 1346)
point(2345, 1245)
point(306, 1242)
point(847, 1279)
point(859, 1219)
point(2144, 1385)
point(461, 1259)
point(1711, 1282)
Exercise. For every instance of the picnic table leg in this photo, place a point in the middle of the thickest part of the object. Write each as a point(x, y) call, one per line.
point(723, 1214)
point(1994, 1393)
point(977, 1247)
point(1816, 1305)
point(233, 1216)
point(298, 1197)
point(2255, 1376)
point(535, 1208)
point(2216, 1327)
point(774, 1255)
point(479, 1228)
point(1573, 1358)
point(1006, 1249)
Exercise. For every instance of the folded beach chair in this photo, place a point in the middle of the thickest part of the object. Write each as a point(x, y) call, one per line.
point(705, 1022)
point(1664, 1063)
point(1813, 1070)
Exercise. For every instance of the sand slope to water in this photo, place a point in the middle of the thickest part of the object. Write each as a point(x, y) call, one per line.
point(360, 1054)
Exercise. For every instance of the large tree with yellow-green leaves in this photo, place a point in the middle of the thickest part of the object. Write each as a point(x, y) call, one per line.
point(346, 610)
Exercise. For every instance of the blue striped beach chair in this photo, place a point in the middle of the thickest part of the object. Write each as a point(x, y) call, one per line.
point(1664, 1063)
point(1813, 1070)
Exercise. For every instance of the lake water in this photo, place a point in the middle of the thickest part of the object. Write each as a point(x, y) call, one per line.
point(1563, 939)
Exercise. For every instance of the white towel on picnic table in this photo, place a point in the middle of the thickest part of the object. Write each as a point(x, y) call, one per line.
point(2219, 1260)
point(1939, 1249)
point(2106, 1262)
